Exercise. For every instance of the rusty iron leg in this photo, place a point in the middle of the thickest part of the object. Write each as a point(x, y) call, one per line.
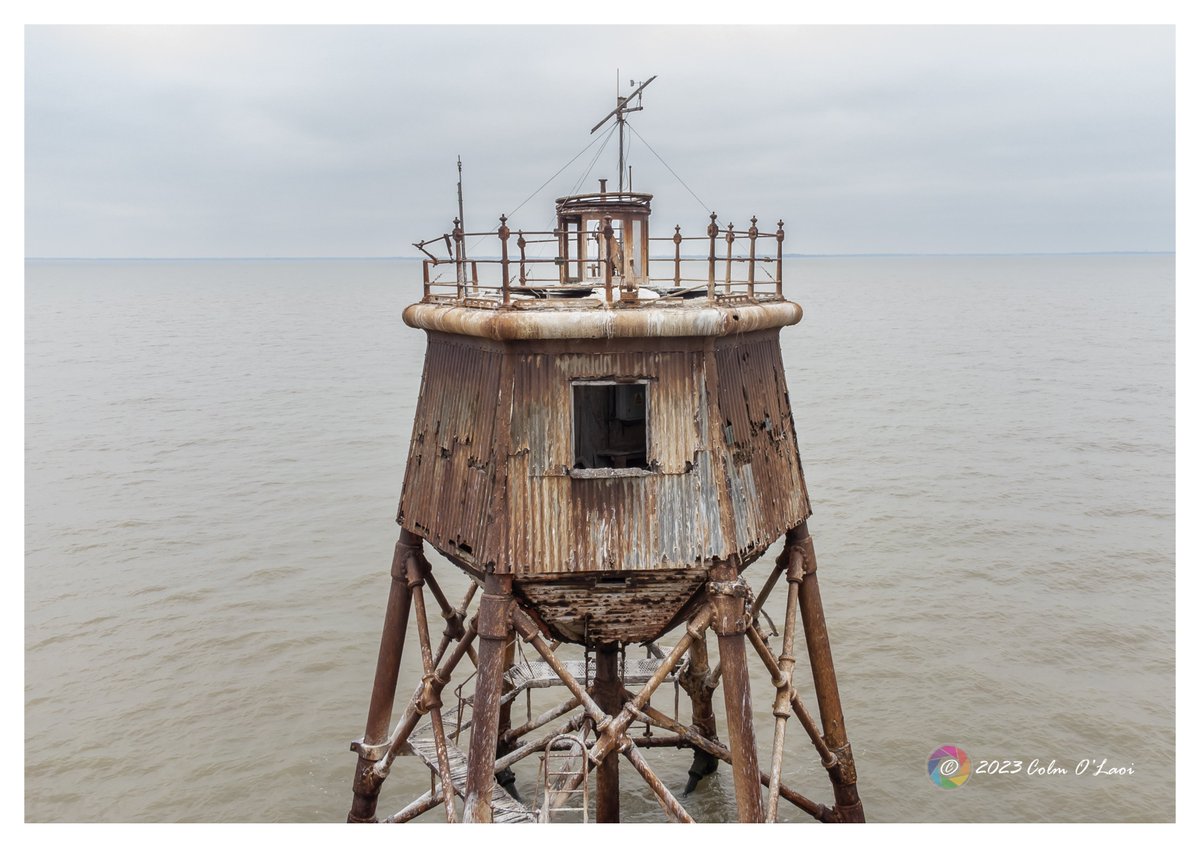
point(495, 629)
point(383, 694)
point(729, 602)
point(607, 693)
point(847, 805)
point(697, 681)
point(504, 746)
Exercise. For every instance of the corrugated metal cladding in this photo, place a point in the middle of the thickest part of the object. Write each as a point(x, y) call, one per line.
point(453, 459)
point(489, 480)
point(758, 447)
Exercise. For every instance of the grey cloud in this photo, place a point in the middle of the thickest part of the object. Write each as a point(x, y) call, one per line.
point(341, 141)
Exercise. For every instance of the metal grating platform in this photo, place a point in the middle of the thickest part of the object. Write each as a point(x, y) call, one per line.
point(539, 675)
point(505, 808)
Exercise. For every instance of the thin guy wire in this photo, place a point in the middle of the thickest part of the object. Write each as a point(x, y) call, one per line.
point(542, 186)
point(705, 205)
point(595, 158)
point(556, 173)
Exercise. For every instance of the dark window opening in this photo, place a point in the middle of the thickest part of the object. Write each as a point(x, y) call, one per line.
point(610, 425)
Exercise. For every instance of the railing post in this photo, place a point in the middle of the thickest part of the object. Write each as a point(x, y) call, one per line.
point(677, 239)
point(606, 258)
point(713, 229)
point(504, 233)
point(459, 271)
point(561, 260)
point(521, 247)
point(729, 259)
point(779, 261)
point(425, 273)
point(753, 235)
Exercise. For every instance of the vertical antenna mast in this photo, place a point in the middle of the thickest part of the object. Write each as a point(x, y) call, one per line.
point(462, 221)
point(460, 266)
point(620, 112)
point(620, 136)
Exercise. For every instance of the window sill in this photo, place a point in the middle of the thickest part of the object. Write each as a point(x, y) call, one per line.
point(605, 473)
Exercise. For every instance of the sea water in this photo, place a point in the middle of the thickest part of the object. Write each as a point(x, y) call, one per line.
point(215, 449)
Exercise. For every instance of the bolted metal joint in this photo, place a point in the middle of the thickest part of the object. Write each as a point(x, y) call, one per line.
point(369, 753)
point(808, 555)
point(796, 562)
point(842, 771)
point(730, 606)
point(736, 588)
point(415, 574)
point(405, 553)
point(431, 693)
point(494, 620)
point(696, 682)
point(455, 629)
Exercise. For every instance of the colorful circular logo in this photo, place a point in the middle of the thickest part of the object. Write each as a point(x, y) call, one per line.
point(949, 767)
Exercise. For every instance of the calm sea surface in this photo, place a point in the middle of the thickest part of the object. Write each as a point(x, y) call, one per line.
point(214, 452)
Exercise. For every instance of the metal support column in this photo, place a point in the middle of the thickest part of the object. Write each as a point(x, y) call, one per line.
point(607, 693)
point(729, 596)
point(495, 629)
point(383, 694)
point(847, 805)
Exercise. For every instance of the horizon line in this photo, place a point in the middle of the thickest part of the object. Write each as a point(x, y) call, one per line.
point(449, 261)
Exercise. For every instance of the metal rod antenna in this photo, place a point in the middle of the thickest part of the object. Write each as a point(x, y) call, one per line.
point(460, 253)
point(462, 220)
point(621, 147)
point(621, 101)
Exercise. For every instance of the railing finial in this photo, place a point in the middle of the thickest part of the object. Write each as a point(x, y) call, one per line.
point(779, 260)
point(713, 229)
point(677, 238)
point(729, 237)
point(504, 232)
point(753, 234)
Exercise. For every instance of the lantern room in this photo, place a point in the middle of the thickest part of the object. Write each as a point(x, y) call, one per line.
point(601, 228)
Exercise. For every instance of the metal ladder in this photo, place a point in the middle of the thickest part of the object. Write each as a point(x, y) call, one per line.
point(558, 767)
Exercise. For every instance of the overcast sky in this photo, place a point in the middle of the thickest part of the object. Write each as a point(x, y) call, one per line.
point(314, 141)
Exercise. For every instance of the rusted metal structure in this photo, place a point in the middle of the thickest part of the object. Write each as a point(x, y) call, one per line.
point(604, 443)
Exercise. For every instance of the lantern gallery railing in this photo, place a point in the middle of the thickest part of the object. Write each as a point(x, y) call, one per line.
point(558, 264)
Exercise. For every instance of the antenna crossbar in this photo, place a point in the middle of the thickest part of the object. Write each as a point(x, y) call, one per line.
point(622, 108)
point(621, 101)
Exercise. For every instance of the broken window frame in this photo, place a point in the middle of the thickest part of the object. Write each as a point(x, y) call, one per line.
point(651, 466)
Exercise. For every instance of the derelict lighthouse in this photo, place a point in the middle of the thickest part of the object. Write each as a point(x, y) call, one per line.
point(604, 444)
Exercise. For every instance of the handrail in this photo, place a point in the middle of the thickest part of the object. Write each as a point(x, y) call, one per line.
point(740, 251)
